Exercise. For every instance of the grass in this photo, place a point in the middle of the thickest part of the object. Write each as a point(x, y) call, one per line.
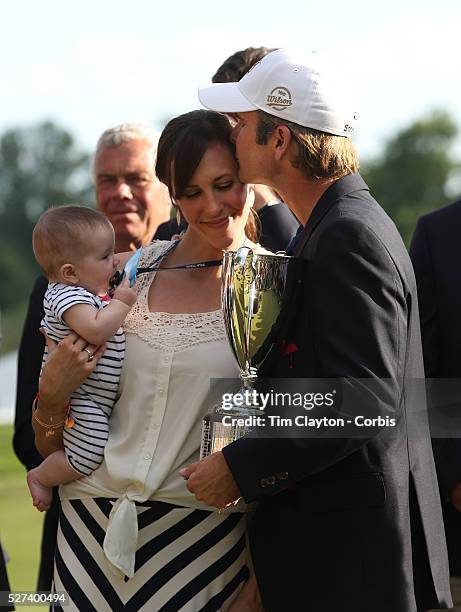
point(20, 523)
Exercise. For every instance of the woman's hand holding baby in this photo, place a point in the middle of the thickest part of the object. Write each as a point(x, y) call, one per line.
point(65, 369)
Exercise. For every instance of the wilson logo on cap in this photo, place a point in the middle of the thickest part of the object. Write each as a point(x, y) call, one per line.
point(279, 98)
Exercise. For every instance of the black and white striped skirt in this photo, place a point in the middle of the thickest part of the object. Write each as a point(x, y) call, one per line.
point(186, 559)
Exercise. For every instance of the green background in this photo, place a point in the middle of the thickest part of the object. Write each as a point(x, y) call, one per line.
point(20, 522)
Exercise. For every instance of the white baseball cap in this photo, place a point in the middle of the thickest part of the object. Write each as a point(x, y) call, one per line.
point(293, 85)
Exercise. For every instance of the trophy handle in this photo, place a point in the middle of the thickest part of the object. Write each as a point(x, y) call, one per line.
point(249, 292)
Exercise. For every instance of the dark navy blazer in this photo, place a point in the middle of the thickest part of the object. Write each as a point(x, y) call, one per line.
point(352, 522)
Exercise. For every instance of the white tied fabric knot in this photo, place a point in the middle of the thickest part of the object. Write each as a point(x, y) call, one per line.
point(122, 536)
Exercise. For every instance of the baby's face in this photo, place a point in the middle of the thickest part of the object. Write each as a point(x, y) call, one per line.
point(97, 267)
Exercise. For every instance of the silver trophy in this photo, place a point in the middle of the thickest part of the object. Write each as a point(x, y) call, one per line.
point(253, 286)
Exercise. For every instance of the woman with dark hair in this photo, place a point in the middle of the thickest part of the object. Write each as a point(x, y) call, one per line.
point(131, 536)
point(183, 144)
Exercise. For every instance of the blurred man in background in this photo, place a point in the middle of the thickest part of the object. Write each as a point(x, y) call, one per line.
point(435, 252)
point(127, 190)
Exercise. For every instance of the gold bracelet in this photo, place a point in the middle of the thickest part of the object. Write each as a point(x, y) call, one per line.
point(50, 427)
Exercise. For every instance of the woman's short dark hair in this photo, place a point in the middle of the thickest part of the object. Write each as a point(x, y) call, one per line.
point(182, 145)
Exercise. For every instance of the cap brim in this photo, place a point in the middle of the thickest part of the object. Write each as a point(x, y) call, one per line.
point(224, 98)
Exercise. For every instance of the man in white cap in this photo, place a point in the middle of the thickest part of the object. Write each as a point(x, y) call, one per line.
point(349, 518)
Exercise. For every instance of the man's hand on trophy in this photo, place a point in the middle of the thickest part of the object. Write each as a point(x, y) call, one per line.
point(211, 481)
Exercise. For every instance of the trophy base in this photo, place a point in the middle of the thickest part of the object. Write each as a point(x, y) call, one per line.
point(220, 427)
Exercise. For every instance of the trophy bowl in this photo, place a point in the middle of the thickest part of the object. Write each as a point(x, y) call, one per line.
point(253, 288)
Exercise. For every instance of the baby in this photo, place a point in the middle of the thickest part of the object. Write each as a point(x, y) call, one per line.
point(74, 245)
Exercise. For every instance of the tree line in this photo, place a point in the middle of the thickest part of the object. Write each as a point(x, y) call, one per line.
point(416, 172)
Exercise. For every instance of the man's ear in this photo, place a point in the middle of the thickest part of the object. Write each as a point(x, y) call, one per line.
point(282, 140)
point(69, 274)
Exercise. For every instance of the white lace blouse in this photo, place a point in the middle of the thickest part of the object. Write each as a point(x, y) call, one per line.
point(155, 428)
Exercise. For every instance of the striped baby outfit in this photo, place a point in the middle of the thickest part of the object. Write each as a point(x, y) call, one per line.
point(91, 404)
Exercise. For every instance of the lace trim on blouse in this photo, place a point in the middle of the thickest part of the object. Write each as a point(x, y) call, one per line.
point(165, 331)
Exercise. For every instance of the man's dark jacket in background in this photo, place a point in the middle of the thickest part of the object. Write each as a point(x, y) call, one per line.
point(436, 255)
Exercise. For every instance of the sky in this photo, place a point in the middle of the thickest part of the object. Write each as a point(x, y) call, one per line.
point(89, 65)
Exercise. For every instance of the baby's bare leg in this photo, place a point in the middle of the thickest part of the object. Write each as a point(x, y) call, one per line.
point(54, 470)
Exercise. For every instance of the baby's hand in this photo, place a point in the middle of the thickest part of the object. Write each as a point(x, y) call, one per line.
point(125, 293)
